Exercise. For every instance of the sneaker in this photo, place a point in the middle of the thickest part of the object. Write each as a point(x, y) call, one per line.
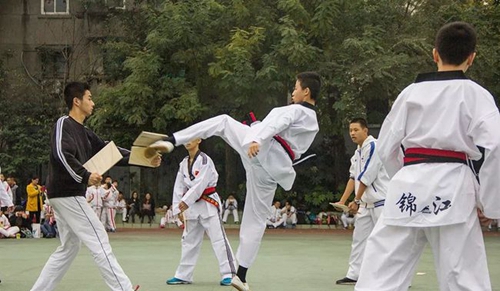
point(162, 146)
point(346, 281)
point(240, 286)
point(137, 287)
point(226, 282)
point(176, 281)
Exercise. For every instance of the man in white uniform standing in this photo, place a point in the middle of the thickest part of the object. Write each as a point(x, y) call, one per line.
point(195, 194)
point(434, 196)
point(267, 151)
point(369, 180)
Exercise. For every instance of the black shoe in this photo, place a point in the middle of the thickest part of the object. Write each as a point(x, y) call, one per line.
point(346, 281)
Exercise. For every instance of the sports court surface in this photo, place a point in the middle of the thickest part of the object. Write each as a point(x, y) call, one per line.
point(289, 259)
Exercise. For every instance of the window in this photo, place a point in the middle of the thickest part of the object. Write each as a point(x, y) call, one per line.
point(55, 6)
point(54, 61)
point(116, 4)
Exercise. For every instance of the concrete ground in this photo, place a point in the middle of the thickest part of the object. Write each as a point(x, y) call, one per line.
point(289, 259)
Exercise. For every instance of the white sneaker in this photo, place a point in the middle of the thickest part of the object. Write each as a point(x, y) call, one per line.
point(240, 286)
point(162, 146)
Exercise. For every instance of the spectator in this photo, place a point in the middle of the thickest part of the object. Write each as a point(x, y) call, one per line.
point(108, 207)
point(35, 202)
point(21, 220)
point(6, 230)
point(275, 219)
point(231, 206)
point(289, 213)
point(121, 206)
point(348, 218)
point(6, 185)
point(17, 199)
point(148, 208)
point(48, 227)
point(170, 218)
point(134, 206)
point(93, 196)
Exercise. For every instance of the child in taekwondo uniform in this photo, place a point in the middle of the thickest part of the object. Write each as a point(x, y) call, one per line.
point(195, 195)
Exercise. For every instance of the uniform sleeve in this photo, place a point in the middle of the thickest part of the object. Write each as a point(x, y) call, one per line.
point(279, 121)
point(486, 135)
point(5, 199)
point(201, 182)
point(390, 138)
point(372, 166)
point(64, 150)
point(179, 190)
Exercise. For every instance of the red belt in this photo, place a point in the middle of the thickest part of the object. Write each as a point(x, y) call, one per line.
point(422, 155)
point(278, 138)
point(205, 196)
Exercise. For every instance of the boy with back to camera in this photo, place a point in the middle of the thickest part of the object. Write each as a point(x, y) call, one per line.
point(434, 196)
point(267, 151)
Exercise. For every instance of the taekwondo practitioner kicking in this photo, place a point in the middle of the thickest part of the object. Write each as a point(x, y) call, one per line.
point(195, 185)
point(267, 150)
point(442, 121)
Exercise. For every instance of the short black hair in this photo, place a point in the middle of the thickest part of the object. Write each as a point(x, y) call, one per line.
point(72, 90)
point(311, 80)
point(455, 42)
point(361, 121)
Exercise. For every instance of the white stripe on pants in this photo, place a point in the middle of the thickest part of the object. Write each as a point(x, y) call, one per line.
point(393, 253)
point(78, 223)
point(260, 186)
point(192, 239)
point(363, 226)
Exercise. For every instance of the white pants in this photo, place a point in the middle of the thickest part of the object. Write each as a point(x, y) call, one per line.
point(9, 232)
point(123, 211)
point(260, 186)
point(363, 226)
point(234, 212)
point(292, 219)
point(108, 218)
point(192, 239)
point(276, 223)
point(393, 253)
point(346, 220)
point(78, 223)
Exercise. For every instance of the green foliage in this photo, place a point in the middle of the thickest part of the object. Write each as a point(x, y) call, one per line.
point(318, 200)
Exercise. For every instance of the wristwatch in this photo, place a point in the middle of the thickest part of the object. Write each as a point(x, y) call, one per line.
point(358, 202)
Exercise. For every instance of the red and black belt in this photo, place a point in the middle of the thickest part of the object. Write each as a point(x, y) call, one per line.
point(423, 155)
point(279, 139)
point(206, 196)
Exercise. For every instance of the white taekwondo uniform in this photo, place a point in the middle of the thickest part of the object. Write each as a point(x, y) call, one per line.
point(367, 168)
point(5, 199)
point(94, 198)
point(297, 125)
point(203, 215)
point(435, 201)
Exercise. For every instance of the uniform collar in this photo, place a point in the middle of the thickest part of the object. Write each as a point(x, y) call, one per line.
point(441, 76)
point(308, 105)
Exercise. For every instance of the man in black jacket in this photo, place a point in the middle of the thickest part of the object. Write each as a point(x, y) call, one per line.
point(72, 144)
